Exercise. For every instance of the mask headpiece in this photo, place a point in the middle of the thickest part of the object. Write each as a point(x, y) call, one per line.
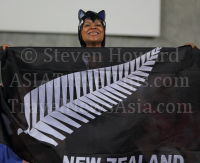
point(82, 16)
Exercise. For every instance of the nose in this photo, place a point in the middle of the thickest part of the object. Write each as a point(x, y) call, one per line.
point(92, 26)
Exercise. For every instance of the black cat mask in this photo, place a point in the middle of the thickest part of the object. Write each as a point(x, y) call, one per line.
point(82, 16)
point(91, 15)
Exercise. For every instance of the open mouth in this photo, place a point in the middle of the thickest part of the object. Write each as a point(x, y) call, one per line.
point(93, 33)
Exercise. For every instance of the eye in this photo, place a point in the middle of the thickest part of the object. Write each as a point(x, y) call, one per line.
point(99, 25)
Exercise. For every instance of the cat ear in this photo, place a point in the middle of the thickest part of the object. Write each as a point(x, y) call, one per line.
point(102, 14)
point(81, 13)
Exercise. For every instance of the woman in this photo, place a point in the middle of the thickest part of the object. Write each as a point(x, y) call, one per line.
point(91, 29)
point(91, 33)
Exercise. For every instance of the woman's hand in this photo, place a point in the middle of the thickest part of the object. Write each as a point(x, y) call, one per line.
point(192, 45)
point(4, 46)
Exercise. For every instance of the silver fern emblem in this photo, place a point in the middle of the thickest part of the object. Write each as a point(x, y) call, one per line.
point(111, 93)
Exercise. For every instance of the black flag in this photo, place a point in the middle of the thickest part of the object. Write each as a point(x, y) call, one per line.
point(96, 105)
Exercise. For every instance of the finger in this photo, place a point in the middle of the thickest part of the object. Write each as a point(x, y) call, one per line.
point(25, 162)
point(3, 47)
point(192, 45)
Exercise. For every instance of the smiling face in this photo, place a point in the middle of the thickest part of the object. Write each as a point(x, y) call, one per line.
point(92, 33)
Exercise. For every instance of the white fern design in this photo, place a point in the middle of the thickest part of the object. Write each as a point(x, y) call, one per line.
point(111, 93)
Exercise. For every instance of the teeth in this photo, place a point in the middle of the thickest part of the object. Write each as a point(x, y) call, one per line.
point(93, 33)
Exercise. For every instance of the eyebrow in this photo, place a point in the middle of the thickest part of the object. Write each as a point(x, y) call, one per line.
point(97, 21)
point(87, 22)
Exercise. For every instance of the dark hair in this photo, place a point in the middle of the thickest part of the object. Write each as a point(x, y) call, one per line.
point(82, 16)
